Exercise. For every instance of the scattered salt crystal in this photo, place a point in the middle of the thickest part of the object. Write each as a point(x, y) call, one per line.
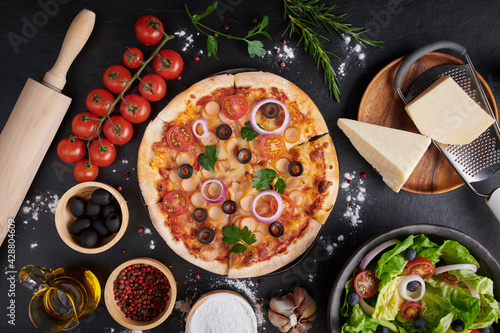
point(33, 245)
point(188, 39)
point(152, 245)
point(357, 48)
point(43, 203)
point(184, 306)
point(340, 238)
point(147, 231)
point(356, 194)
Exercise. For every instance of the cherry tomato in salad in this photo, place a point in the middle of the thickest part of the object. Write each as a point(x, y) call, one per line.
point(135, 108)
point(133, 57)
point(168, 64)
point(149, 30)
point(84, 171)
point(98, 101)
point(234, 107)
point(179, 137)
point(176, 203)
point(115, 78)
point(118, 130)
point(366, 284)
point(273, 146)
point(288, 207)
point(449, 278)
point(102, 152)
point(152, 87)
point(420, 266)
point(71, 150)
point(84, 125)
point(411, 310)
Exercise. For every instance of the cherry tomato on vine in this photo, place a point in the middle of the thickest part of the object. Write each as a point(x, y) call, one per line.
point(133, 57)
point(168, 64)
point(71, 150)
point(152, 87)
point(135, 108)
point(98, 101)
point(102, 152)
point(115, 78)
point(149, 30)
point(118, 130)
point(85, 171)
point(84, 125)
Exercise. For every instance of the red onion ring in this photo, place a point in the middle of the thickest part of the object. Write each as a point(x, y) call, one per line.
point(261, 131)
point(473, 291)
point(447, 268)
point(365, 307)
point(404, 283)
point(373, 253)
point(204, 124)
point(279, 210)
point(222, 192)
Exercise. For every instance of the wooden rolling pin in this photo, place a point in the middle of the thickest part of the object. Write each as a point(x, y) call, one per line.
point(34, 122)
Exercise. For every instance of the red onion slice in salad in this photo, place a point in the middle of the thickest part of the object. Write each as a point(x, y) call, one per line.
point(404, 283)
point(368, 309)
point(373, 253)
point(447, 268)
point(473, 291)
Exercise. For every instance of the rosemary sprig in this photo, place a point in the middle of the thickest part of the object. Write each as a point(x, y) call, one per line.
point(302, 15)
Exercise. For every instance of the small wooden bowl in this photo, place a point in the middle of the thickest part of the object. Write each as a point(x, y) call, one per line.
point(64, 218)
point(117, 314)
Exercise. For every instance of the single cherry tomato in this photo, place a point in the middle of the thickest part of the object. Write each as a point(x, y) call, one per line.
point(411, 310)
point(420, 266)
point(288, 207)
point(71, 150)
point(135, 108)
point(149, 30)
point(84, 125)
point(84, 171)
point(133, 57)
point(234, 107)
point(272, 146)
point(179, 137)
point(366, 284)
point(102, 152)
point(168, 64)
point(115, 78)
point(98, 101)
point(176, 203)
point(152, 87)
point(118, 130)
point(449, 278)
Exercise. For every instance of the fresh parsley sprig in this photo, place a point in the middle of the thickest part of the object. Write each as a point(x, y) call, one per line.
point(208, 160)
point(254, 47)
point(248, 132)
point(240, 239)
point(264, 179)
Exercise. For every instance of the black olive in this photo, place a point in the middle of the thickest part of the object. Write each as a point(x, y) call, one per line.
point(185, 171)
point(419, 324)
point(205, 235)
point(271, 110)
point(457, 325)
point(113, 207)
point(352, 298)
point(101, 197)
point(223, 132)
point(89, 238)
point(78, 226)
point(410, 254)
point(276, 229)
point(200, 214)
point(295, 169)
point(76, 206)
point(93, 209)
point(229, 207)
point(113, 222)
point(244, 156)
point(100, 227)
point(382, 329)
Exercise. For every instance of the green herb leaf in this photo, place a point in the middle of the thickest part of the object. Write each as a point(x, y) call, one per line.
point(238, 248)
point(256, 48)
point(280, 186)
point(208, 160)
point(212, 46)
point(240, 239)
point(248, 132)
point(210, 9)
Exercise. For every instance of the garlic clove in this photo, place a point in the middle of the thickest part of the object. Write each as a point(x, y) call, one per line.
point(307, 308)
point(277, 319)
point(310, 318)
point(283, 305)
point(285, 328)
point(299, 294)
point(303, 326)
point(293, 320)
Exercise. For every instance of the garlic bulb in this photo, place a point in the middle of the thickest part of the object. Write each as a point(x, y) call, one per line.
point(293, 313)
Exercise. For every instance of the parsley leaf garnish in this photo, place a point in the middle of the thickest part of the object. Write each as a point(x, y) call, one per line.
point(208, 160)
point(240, 239)
point(264, 179)
point(248, 132)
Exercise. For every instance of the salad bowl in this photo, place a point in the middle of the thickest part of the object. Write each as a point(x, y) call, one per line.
point(488, 266)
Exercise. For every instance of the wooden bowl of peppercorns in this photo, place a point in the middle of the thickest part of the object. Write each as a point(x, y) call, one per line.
point(140, 293)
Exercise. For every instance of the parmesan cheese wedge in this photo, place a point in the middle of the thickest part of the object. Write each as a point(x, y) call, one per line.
point(445, 113)
point(393, 153)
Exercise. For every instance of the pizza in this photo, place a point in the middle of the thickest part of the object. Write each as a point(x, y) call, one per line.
point(248, 152)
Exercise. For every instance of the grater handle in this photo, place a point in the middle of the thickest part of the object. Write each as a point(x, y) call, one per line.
point(493, 201)
point(418, 53)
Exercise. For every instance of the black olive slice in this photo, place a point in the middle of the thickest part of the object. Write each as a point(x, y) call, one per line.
point(270, 110)
point(205, 235)
point(244, 156)
point(276, 229)
point(185, 171)
point(223, 132)
point(200, 214)
point(229, 207)
point(295, 169)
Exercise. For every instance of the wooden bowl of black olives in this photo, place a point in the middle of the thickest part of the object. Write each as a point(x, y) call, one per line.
point(91, 217)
